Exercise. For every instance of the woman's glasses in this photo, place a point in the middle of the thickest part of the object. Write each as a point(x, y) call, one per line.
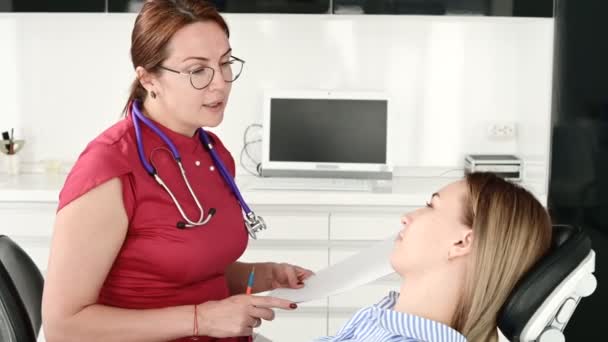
point(202, 77)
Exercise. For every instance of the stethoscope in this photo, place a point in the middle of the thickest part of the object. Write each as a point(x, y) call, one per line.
point(253, 223)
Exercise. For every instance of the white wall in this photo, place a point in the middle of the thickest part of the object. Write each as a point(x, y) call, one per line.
point(9, 65)
point(449, 77)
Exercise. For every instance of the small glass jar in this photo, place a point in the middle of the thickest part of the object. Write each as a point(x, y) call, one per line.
point(12, 164)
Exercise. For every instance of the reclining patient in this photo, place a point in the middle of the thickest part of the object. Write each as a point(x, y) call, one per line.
point(459, 258)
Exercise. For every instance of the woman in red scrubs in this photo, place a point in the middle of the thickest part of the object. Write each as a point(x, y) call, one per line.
point(120, 269)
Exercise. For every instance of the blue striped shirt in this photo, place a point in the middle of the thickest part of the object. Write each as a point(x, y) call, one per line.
point(379, 323)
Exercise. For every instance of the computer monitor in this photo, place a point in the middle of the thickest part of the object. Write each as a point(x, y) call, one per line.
point(326, 134)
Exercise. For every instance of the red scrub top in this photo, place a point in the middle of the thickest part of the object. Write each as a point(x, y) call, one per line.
point(158, 264)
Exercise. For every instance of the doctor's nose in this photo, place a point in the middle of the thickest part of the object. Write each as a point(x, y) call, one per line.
point(218, 82)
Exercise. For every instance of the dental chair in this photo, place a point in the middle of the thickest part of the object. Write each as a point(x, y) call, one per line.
point(21, 286)
point(543, 301)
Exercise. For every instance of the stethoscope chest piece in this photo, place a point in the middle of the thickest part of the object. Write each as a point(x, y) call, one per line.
point(254, 224)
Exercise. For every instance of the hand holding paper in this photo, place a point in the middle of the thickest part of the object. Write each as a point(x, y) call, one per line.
point(362, 268)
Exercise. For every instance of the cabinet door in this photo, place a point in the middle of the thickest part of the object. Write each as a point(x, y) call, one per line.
point(30, 225)
point(294, 226)
point(27, 219)
point(357, 226)
point(241, 6)
point(52, 6)
point(300, 325)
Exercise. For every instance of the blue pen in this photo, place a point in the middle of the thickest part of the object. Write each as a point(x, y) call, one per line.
point(250, 281)
point(248, 292)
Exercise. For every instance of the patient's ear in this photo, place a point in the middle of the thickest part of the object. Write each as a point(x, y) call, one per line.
point(463, 245)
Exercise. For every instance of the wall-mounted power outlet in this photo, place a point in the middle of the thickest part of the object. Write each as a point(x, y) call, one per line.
point(502, 130)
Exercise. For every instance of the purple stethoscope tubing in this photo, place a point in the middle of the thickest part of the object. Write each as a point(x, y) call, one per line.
point(253, 222)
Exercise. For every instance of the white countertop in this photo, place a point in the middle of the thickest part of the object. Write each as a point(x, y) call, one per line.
point(401, 191)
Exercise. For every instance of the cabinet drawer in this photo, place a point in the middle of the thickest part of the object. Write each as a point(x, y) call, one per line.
point(37, 248)
point(295, 326)
point(311, 258)
point(27, 219)
point(289, 226)
point(364, 227)
point(338, 253)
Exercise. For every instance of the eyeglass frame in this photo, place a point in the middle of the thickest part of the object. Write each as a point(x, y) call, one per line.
point(189, 74)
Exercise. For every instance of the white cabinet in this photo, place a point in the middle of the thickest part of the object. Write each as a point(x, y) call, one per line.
point(300, 325)
point(314, 258)
point(27, 219)
point(30, 225)
point(293, 225)
point(310, 235)
point(365, 226)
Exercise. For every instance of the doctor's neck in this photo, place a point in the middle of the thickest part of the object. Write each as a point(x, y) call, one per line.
point(432, 294)
point(157, 112)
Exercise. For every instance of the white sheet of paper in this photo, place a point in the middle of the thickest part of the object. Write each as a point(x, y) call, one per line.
point(362, 268)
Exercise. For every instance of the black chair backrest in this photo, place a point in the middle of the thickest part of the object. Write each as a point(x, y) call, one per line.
point(21, 285)
point(570, 246)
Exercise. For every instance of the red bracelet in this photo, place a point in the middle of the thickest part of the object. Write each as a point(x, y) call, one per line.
point(195, 329)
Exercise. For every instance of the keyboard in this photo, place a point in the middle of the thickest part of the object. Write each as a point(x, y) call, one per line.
point(310, 184)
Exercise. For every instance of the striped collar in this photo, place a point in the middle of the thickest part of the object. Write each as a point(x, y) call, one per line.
point(411, 326)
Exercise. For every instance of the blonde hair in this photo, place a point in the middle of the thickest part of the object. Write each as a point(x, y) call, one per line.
point(512, 230)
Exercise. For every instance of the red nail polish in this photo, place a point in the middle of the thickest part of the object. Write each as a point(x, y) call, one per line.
point(293, 305)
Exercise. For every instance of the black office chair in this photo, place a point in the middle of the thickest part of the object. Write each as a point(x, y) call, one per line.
point(21, 286)
point(543, 301)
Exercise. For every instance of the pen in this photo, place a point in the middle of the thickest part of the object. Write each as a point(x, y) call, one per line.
point(248, 292)
point(250, 281)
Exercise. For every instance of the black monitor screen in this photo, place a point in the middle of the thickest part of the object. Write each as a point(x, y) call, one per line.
point(328, 130)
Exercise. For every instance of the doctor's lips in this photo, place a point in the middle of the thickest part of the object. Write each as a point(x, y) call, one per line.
point(214, 104)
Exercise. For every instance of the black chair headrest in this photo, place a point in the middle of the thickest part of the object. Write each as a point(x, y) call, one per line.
point(21, 289)
point(570, 246)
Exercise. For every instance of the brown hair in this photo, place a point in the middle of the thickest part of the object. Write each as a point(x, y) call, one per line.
point(512, 230)
point(155, 25)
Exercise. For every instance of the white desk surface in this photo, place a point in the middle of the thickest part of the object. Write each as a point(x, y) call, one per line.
point(401, 191)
